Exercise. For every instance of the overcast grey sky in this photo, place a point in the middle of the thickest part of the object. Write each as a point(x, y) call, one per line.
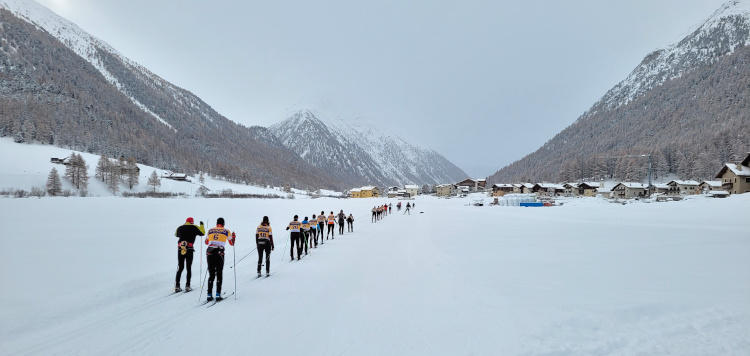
point(482, 82)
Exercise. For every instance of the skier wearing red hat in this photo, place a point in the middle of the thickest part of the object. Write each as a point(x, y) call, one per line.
point(186, 234)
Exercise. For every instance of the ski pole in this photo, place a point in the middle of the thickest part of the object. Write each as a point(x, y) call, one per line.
point(204, 282)
point(287, 243)
point(235, 273)
point(243, 257)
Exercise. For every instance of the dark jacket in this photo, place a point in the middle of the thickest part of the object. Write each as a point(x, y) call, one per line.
point(188, 232)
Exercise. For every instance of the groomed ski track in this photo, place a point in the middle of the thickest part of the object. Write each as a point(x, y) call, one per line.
point(453, 280)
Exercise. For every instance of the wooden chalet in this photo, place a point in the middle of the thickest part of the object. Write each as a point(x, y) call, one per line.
point(735, 178)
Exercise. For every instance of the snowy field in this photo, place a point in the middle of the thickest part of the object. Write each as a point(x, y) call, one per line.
point(91, 276)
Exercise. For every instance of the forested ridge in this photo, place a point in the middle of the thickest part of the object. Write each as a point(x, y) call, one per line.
point(51, 95)
point(690, 125)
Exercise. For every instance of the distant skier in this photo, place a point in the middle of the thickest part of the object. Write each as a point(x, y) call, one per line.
point(374, 214)
point(295, 227)
point(264, 242)
point(186, 234)
point(407, 209)
point(216, 239)
point(390, 207)
point(331, 230)
point(350, 223)
point(314, 231)
point(398, 206)
point(305, 233)
point(321, 225)
point(341, 218)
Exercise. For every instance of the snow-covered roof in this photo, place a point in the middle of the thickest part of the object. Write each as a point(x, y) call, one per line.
point(503, 185)
point(551, 186)
point(662, 186)
point(355, 190)
point(590, 184)
point(685, 182)
point(712, 183)
point(481, 179)
point(411, 186)
point(368, 187)
point(631, 185)
point(738, 170)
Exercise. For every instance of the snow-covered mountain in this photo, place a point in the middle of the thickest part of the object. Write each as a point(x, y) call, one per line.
point(360, 154)
point(99, 53)
point(61, 86)
point(720, 35)
point(687, 105)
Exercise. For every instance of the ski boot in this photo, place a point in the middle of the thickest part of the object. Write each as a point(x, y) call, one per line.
point(177, 289)
point(187, 289)
point(209, 297)
point(218, 297)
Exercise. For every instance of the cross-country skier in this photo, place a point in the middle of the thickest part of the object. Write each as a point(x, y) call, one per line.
point(217, 237)
point(350, 223)
point(331, 231)
point(305, 232)
point(186, 234)
point(295, 226)
point(390, 207)
point(264, 242)
point(321, 224)
point(407, 209)
point(314, 231)
point(374, 214)
point(341, 217)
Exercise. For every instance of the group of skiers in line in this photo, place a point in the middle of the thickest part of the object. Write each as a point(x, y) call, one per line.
point(380, 211)
point(303, 234)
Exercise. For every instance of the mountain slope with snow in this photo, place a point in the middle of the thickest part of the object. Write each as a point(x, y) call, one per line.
point(361, 154)
point(687, 106)
point(720, 35)
point(61, 86)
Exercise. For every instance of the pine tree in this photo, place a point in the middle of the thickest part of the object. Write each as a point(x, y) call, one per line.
point(54, 185)
point(153, 181)
point(131, 172)
point(201, 179)
point(77, 171)
point(102, 168)
point(113, 184)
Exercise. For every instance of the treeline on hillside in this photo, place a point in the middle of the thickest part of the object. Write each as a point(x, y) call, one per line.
point(51, 95)
point(691, 126)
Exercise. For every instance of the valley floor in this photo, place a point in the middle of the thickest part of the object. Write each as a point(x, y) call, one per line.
point(93, 276)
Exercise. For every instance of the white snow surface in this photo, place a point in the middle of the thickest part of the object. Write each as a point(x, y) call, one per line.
point(28, 165)
point(94, 276)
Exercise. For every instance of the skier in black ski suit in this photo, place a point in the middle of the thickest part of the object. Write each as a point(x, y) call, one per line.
point(217, 237)
point(295, 237)
point(350, 223)
point(186, 234)
point(264, 242)
point(341, 217)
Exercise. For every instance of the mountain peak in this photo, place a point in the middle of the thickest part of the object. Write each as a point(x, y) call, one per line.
point(719, 35)
point(359, 153)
